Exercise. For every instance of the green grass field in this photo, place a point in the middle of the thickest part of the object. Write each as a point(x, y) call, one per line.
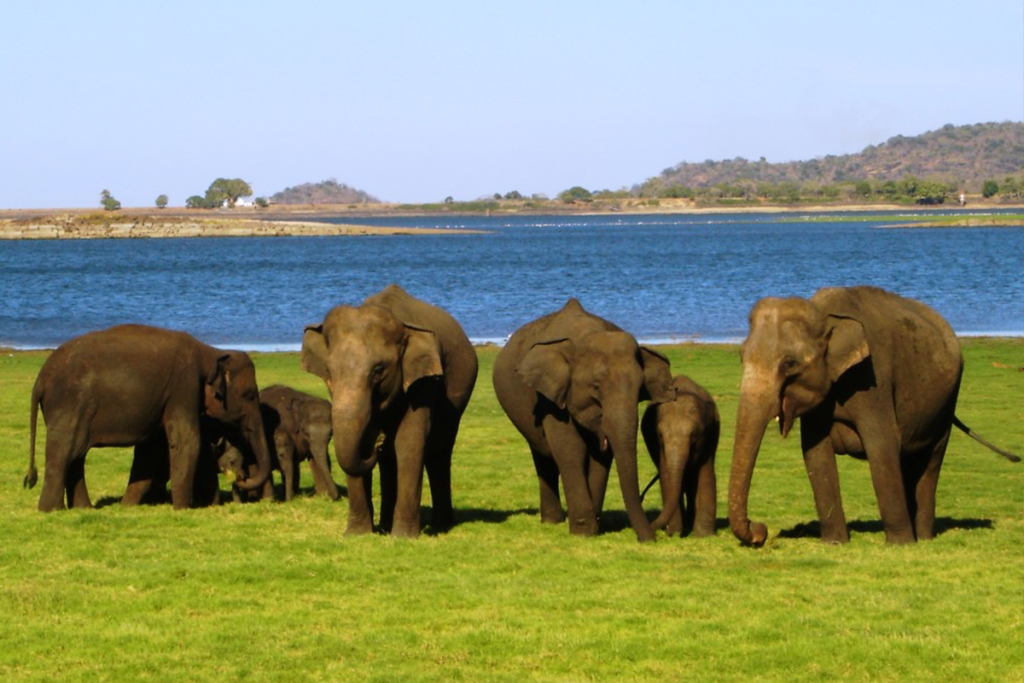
point(274, 592)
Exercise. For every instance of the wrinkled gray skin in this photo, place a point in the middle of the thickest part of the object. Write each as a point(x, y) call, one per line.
point(133, 385)
point(682, 437)
point(401, 371)
point(151, 470)
point(870, 374)
point(570, 382)
point(298, 427)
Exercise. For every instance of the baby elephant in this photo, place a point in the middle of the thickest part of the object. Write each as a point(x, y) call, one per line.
point(682, 436)
point(298, 427)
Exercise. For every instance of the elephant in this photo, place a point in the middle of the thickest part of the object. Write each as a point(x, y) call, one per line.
point(682, 436)
point(132, 385)
point(870, 374)
point(571, 382)
point(298, 427)
point(151, 469)
point(239, 465)
point(400, 372)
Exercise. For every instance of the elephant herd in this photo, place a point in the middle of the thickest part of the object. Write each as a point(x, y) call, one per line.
point(869, 373)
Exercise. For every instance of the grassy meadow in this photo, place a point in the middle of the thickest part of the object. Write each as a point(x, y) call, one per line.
point(274, 592)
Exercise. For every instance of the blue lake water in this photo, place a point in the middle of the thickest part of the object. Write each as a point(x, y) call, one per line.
point(663, 278)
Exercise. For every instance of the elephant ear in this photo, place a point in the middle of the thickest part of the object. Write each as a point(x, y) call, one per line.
point(217, 385)
point(847, 345)
point(547, 368)
point(657, 377)
point(314, 352)
point(422, 356)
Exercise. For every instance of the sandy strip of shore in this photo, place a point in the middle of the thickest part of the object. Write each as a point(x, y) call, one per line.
point(146, 227)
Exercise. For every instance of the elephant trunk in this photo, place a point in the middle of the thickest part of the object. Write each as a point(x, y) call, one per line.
point(671, 468)
point(350, 420)
point(751, 421)
point(622, 433)
point(253, 431)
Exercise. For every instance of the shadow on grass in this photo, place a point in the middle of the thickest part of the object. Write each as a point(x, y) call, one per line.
point(875, 526)
point(470, 515)
point(226, 497)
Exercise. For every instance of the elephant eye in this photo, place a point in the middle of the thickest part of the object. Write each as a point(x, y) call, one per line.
point(788, 365)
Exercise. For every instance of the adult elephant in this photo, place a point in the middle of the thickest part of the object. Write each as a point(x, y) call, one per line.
point(400, 372)
point(870, 374)
point(682, 437)
point(298, 426)
point(570, 382)
point(133, 385)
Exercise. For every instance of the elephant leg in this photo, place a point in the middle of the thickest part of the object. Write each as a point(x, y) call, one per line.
point(921, 500)
point(64, 446)
point(887, 478)
point(78, 495)
point(360, 506)
point(289, 470)
point(206, 492)
point(183, 451)
point(820, 461)
point(682, 521)
point(570, 452)
point(598, 466)
point(388, 469)
point(439, 470)
point(551, 511)
point(704, 501)
point(149, 471)
point(410, 446)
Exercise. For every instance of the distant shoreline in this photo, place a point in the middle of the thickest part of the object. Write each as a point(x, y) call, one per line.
point(281, 221)
point(64, 227)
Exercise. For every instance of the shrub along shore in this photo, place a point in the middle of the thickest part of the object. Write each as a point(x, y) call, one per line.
point(273, 591)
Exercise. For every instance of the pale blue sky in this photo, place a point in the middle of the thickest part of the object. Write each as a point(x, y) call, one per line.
point(415, 101)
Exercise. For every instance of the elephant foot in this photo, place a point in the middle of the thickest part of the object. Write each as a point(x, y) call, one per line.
point(47, 506)
point(835, 536)
point(703, 532)
point(552, 516)
point(583, 527)
point(899, 538)
point(359, 527)
point(406, 531)
point(440, 520)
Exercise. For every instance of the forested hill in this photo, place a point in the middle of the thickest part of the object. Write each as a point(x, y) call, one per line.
point(325, 192)
point(964, 155)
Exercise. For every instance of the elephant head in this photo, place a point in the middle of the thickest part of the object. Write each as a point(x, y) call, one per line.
point(599, 380)
point(230, 459)
point(792, 356)
point(231, 397)
point(369, 360)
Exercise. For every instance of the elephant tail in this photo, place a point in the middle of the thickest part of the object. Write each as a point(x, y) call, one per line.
point(32, 476)
point(984, 442)
point(648, 487)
